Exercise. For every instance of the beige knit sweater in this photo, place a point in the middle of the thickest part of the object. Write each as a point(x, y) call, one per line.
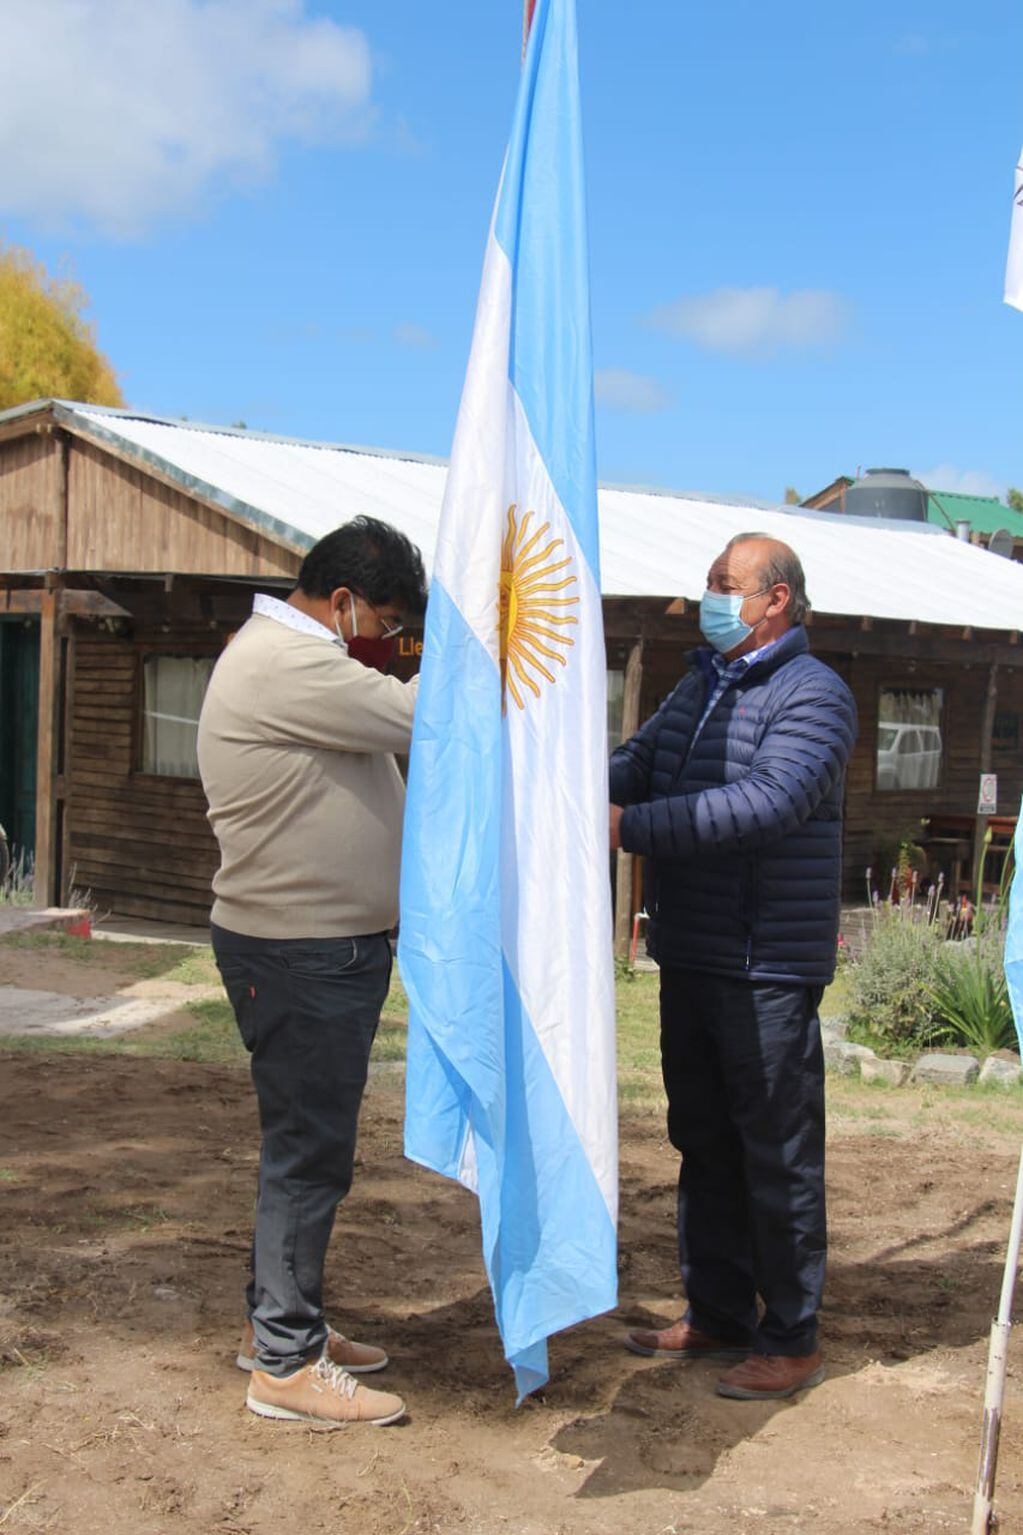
point(305, 798)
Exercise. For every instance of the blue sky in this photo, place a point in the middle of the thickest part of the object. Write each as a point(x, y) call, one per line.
point(798, 219)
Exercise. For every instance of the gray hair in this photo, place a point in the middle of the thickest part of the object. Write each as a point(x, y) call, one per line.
point(781, 566)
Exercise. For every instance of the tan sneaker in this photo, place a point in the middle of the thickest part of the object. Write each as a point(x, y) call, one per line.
point(321, 1392)
point(356, 1358)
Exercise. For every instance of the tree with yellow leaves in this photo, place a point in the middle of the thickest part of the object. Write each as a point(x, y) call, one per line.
point(46, 347)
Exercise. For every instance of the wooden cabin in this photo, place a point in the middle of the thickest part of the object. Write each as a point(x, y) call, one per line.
point(131, 547)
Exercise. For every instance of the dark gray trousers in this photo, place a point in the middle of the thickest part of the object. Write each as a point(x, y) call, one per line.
point(744, 1073)
point(307, 1010)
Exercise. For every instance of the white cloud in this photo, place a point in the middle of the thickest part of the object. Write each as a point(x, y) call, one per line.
point(755, 321)
point(968, 482)
point(618, 389)
point(415, 336)
point(116, 113)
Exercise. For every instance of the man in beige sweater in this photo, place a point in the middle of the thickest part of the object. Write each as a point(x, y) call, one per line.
point(296, 743)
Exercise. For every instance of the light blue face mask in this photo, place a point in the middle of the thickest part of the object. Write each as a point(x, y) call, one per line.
point(720, 623)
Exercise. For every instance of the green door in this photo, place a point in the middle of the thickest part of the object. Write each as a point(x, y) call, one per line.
point(19, 723)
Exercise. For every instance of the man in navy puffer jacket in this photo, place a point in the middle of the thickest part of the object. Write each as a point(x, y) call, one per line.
point(732, 793)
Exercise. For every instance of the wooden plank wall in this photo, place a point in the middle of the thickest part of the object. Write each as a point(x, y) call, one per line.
point(31, 504)
point(123, 519)
point(140, 843)
point(143, 846)
point(877, 819)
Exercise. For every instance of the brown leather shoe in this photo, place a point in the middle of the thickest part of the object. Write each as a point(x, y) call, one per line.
point(764, 1377)
point(681, 1341)
point(356, 1358)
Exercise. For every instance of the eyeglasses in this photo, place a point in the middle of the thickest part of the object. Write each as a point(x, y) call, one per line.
point(389, 631)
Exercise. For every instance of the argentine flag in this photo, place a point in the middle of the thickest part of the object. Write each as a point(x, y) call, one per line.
point(505, 945)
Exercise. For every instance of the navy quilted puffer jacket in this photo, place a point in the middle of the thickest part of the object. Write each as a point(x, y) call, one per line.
point(742, 832)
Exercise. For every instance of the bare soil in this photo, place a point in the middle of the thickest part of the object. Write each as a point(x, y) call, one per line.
point(126, 1188)
point(49, 967)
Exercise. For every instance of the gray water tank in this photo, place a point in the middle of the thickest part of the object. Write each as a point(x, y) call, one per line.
point(887, 493)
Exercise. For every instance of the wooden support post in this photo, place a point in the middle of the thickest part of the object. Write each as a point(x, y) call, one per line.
point(63, 783)
point(47, 747)
point(987, 731)
point(624, 861)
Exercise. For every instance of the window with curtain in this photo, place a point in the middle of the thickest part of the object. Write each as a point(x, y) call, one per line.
point(909, 738)
point(173, 688)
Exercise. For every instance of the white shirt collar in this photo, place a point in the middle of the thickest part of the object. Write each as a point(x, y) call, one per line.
point(292, 618)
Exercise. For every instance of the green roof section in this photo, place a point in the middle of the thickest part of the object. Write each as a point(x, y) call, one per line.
point(985, 514)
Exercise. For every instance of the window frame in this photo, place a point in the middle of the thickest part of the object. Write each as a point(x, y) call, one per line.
point(913, 687)
point(190, 652)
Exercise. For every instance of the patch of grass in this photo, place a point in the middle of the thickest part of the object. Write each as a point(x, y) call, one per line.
point(837, 998)
point(212, 1038)
point(185, 963)
point(211, 1035)
point(639, 1040)
point(860, 1033)
point(133, 1217)
point(55, 943)
point(8, 1175)
point(17, 888)
point(49, 1044)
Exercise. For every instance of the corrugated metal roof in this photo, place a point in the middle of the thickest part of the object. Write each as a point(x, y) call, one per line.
point(653, 543)
point(985, 514)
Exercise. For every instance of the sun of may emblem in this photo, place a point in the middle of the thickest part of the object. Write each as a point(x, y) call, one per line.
point(534, 596)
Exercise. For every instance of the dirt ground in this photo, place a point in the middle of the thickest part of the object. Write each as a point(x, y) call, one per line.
point(126, 1187)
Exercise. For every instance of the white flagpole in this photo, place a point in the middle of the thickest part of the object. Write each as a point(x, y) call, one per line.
point(1014, 265)
point(994, 1394)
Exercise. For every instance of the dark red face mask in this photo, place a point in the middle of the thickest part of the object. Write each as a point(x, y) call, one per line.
point(375, 653)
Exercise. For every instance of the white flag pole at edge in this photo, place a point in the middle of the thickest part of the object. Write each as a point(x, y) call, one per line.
point(994, 1393)
point(1014, 265)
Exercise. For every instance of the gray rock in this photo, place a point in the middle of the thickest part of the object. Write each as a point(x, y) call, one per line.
point(845, 1058)
point(948, 1070)
point(997, 1069)
point(893, 1072)
point(834, 1028)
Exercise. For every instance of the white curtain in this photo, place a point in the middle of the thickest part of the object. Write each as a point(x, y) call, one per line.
point(615, 708)
point(909, 738)
point(174, 688)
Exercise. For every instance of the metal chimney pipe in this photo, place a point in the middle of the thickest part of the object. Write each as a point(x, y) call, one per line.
point(963, 530)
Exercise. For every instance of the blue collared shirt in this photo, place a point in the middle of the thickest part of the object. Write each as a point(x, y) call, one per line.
point(728, 673)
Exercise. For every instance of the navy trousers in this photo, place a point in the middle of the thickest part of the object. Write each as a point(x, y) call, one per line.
point(307, 1010)
point(744, 1074)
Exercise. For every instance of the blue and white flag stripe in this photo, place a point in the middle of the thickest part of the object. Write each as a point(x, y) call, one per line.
point(505, 929)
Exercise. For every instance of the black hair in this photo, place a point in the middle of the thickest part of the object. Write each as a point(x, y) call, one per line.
point(371, 558)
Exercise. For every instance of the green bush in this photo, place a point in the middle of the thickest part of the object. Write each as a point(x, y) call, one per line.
point(891, 983)
point(970, 995)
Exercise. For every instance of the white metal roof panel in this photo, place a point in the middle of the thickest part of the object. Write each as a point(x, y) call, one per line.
point(653, 544)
